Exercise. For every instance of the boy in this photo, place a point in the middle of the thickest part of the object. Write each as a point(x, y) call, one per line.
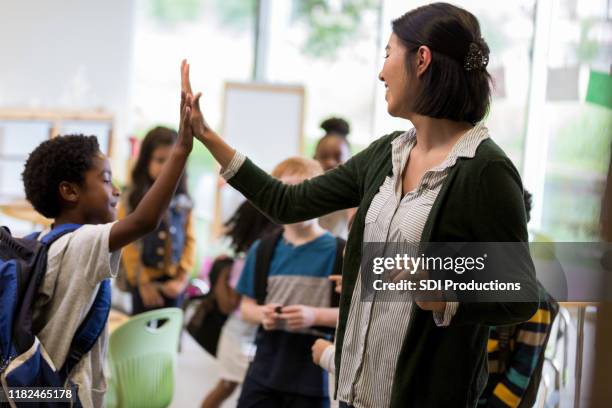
point(69, 180)
point(298, 297)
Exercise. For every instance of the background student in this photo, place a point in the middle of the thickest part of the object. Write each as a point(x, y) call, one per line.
point(234, 350)
point(333, 149)
point(159, 264)
point(297, 298)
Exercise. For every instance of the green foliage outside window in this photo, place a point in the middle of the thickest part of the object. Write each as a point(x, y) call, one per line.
point(174, 11)
point(329, 29)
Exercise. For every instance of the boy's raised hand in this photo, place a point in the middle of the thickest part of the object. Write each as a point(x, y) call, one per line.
point(185, 133)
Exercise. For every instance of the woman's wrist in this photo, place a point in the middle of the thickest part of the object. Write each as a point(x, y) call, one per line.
point(221, 151)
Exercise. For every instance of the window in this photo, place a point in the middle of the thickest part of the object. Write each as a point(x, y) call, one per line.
point(216, 36)
point(330, 47)
point(577, 123)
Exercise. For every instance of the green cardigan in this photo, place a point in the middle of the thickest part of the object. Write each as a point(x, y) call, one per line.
point(481, 201)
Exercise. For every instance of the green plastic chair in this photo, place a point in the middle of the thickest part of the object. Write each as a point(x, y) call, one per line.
point(142, 358)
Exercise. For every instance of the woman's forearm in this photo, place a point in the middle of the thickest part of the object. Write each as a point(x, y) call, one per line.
point(220, 150)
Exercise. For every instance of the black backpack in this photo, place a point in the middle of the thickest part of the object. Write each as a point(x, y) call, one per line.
point(23, 360)
point(264, 258)
point(207, 322)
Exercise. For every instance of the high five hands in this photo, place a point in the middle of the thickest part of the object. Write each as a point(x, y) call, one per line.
point(220, 150)
point(198, 124)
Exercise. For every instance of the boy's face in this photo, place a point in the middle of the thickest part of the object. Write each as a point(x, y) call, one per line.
point(98, 197)
point(293, 180)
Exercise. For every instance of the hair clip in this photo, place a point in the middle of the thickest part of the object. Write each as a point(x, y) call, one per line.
point(475, 58)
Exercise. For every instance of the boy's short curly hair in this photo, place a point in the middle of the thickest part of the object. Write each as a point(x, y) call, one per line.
point(62, 158)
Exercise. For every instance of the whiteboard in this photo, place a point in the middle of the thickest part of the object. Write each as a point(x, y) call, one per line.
point(263, 121)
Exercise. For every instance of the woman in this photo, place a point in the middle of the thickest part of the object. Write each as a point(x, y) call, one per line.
point(445, 180)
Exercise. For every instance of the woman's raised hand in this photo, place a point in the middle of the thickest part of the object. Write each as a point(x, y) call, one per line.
point(220, 150)
point(200, 128)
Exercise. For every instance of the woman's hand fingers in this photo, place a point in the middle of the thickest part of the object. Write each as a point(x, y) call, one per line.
point(185, 77)
point(196, 101)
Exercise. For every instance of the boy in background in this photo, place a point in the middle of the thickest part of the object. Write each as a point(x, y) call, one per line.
point(298, 298)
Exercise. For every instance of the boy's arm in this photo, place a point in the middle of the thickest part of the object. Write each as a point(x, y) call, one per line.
point(149, 212)
point(301, 316)
point(250, 310)
point(326, 316)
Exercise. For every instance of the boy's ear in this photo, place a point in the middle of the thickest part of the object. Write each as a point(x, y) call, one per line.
point(69, 191)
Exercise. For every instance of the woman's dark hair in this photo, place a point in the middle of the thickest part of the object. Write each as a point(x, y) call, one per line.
point(141, 181)
point(336, 126)
point(246, 226)
point(456, 85)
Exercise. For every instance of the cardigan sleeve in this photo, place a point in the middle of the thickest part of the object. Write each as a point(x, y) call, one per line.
point(337, 189)
point(499, 216)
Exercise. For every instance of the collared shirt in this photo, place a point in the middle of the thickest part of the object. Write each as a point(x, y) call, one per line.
point(373, 337)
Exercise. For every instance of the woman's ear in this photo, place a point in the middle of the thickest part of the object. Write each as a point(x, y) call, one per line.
point(423, 55)
point(69, 191)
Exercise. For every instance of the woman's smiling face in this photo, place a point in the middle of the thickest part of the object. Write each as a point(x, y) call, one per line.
point(395, 77)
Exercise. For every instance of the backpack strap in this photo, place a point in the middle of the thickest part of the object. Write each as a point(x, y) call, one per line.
point(57, 232)
point(22, 327)
point(90, 330)
point(32, 237)
point(262, 264)
point(340, 244)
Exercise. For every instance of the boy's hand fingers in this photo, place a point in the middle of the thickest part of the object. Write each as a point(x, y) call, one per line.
point(292, 309)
